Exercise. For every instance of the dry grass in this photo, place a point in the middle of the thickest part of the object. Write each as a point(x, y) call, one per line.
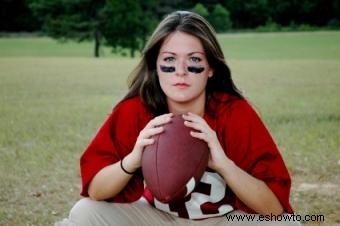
point(52, 107)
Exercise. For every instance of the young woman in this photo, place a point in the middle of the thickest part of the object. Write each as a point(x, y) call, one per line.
point(183, 72)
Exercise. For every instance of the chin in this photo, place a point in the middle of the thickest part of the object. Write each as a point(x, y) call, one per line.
point(181, 98)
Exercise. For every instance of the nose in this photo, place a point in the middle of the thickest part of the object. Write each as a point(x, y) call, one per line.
point(181, 68)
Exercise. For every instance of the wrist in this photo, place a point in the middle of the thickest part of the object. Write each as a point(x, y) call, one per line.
point(127, 171)
point(227, 168)
point(129, 163)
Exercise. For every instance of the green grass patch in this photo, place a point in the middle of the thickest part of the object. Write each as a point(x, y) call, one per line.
point(53, 103)
point(47, 47)
point(285, 45)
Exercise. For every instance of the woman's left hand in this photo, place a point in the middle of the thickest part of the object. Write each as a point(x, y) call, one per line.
point(253, 192)
point(203, 132)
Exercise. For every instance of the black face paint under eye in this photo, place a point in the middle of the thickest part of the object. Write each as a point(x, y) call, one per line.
point(167, 69)
point(195, 70)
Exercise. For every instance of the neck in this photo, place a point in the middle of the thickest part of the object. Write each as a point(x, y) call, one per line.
point(196, 106)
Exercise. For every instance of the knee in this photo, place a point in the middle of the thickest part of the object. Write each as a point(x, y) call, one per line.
point(82, 212)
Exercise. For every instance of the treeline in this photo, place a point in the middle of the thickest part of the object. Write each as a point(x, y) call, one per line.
point(16, 15)
point(127, 23)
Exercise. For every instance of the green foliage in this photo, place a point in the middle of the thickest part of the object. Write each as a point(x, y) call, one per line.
point(16, 16)
point(128, 23)
point(247, 13)
point(271, 26)
point(312, 12)
point(220, 18)
point(201, 10)
point(72, 19)
point(334, 23)
point(300, 27)
point(120, 23)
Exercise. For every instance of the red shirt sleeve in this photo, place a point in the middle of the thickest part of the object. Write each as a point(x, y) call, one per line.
point(248, 143)
point(113, 141)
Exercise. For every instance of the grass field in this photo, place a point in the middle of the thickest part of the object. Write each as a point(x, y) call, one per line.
point(53, 98)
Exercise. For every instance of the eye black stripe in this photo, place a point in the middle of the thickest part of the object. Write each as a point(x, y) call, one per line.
point(196, 70)
point(167, 69)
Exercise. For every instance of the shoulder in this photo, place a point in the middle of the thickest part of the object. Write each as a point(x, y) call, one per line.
point(226, 106)
point(127, 119)
point(133, 103)
point(131, 110)
point(131, 107)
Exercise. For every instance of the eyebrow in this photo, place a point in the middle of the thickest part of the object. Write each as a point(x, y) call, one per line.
point(190, 54)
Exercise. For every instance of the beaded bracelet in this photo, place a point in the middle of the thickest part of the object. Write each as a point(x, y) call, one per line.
point(121, 166)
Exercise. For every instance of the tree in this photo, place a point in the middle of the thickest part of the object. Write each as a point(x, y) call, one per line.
point(130, 25)
point(248, 13)
point(220, 18)
point(15, 16)
point(73, 19)
point(201, 10)
point(120, 23)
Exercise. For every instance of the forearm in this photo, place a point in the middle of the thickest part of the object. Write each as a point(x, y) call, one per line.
point(251, 191)
point(109, 181)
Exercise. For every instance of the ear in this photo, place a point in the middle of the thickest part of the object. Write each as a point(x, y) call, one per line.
point(211, 72)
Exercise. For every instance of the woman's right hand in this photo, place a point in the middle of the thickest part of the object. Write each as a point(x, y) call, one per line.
point(155, 126)
point(110, 180)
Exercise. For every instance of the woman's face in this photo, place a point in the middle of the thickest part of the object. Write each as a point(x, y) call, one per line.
point(183, 68)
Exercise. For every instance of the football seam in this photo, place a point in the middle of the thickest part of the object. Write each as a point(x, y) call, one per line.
point(196, 182)
point(159, 190)
point(202, 158)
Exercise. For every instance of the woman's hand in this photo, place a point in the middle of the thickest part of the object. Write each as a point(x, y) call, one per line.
point(111, 180)
point(203, 131)
point(250, 190)
point(154, 127)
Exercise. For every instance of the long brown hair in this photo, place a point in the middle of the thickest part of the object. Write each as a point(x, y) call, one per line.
point(144, 77)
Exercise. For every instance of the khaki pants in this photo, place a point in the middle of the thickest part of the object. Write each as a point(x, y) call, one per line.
point(87, 212)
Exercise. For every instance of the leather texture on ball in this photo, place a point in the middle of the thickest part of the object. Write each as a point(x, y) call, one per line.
point(175, 162)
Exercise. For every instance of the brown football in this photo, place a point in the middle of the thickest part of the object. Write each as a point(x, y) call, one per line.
point(175, 162)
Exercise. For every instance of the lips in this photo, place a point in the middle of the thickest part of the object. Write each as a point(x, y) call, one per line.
point(182, 85)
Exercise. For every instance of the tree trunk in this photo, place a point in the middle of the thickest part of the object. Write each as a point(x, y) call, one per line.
point(132, 53)
point(96, 43)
